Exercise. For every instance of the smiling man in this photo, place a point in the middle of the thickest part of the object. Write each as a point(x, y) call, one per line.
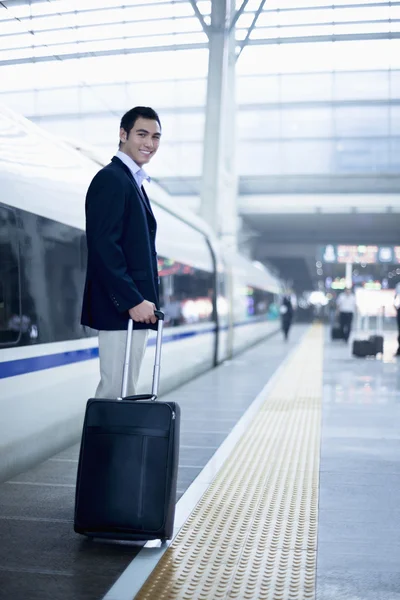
point(121, 277)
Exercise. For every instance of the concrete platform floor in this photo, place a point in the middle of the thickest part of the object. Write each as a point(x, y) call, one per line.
point(359, 503)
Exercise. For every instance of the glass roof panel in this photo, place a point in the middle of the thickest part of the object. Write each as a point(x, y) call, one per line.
point(245, 20)
point(20, 41)
point(302, 17)
point(11, 26)
point(354, 28)
point(278, 32)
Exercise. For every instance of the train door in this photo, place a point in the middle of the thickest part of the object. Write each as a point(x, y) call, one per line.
point(223, 291)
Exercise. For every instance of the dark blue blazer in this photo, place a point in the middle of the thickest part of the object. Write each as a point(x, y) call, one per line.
point(122, 258)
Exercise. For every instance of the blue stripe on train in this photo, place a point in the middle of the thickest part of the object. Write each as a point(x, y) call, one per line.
point(11, 368)
point(21, 366)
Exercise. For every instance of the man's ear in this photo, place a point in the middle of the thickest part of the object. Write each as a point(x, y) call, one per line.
point(123, 135)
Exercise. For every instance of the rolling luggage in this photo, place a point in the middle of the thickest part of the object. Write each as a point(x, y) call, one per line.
point(128, 463)
point(363, 348)
point(377, 341)
point(336, 332)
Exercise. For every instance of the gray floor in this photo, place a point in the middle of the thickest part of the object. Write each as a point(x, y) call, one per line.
point(359, 509)
point(41, 558)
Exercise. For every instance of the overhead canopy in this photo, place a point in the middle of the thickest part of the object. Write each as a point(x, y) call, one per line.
point(318, 85)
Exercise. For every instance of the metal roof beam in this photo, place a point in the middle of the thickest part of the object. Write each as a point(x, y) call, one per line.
point(82, 28)
point(71, 10)
point(198, 14)
point(338, 6)
point(91, 54)
point(343, 37)
point(238, 14)
point(387, 22)
point(251, 28)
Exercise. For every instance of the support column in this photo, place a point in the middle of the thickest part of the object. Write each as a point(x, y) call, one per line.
point(219, 185)
point(349, 275)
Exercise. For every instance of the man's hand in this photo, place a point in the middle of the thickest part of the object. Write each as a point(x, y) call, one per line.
point(143, 312)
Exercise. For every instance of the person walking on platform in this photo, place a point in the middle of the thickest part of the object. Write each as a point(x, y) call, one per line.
point(122, 274)
point(397, 307)
point(286, 311)
point(346, 304)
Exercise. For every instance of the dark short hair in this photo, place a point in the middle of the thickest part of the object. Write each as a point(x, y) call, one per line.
point(130, 117)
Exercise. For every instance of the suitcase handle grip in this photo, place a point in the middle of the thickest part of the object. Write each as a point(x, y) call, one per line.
point(157, 361)
point(139, 397)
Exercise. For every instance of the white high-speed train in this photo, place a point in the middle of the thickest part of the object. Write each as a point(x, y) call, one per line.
point(215, 304)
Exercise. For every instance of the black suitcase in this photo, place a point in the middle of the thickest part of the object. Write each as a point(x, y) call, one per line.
point(363, 348)
point(336, 332)
point(128, 463)
point(377, 341)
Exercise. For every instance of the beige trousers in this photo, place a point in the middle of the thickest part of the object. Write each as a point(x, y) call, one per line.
point(112, 346)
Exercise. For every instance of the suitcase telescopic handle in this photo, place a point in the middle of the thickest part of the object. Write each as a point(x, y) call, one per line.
point(157, 361)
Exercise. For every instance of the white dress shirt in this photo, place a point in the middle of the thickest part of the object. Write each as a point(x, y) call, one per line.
point(346, 303)
point(138, 173)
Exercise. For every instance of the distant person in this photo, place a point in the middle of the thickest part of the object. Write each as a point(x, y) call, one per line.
point(122, 275)
point(397, 307)
point(286, 311)
point(346, 304)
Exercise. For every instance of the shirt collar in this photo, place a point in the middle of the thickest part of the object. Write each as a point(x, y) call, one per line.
point(132, 166)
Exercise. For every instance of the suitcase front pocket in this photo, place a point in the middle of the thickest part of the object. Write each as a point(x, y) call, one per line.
point(123, 477)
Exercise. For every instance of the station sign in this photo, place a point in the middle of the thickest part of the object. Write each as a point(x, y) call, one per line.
point(367, 255)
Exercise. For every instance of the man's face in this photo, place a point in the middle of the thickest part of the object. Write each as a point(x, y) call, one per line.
point(142, 142)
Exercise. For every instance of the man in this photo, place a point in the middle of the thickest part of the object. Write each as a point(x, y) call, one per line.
point(346, 304)
point(286, 311)
point(122, 276)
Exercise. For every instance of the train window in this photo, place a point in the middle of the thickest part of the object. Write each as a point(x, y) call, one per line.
point(260, 303)
point(186, 293)
point(53, 264)
point(252, 303)
point(222, 298)
point(12, 323)
point(186, 270)
point(180, 241)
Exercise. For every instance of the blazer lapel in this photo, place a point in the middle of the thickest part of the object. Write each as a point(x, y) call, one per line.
point(146, 199)
point(142, 194)
point(140, 191)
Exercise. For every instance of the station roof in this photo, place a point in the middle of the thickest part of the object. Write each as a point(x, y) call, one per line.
point(318, 86)
point(317, 91)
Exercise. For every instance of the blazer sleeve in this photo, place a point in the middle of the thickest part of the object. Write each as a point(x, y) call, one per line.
point(105, 208)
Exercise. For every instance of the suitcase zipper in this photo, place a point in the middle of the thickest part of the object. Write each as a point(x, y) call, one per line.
point(173, 415)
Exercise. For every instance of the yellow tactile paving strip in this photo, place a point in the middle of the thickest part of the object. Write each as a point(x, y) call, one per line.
point(253, 535)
